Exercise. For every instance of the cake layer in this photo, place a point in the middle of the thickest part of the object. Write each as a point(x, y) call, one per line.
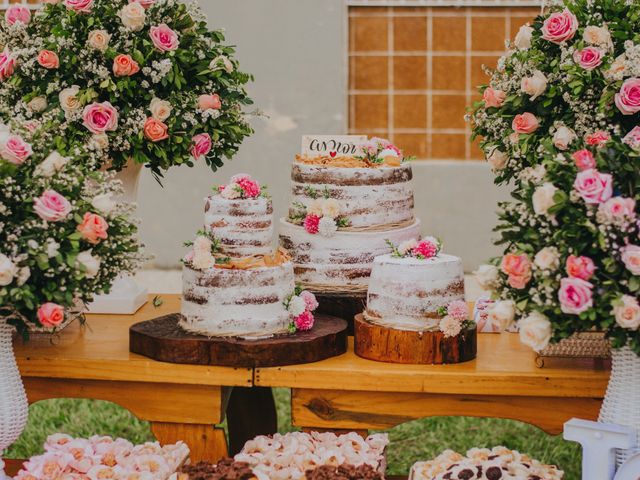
point(244, 227)
point(237, 303)
point(406, 293)
point(367, 196)
point(342, 260)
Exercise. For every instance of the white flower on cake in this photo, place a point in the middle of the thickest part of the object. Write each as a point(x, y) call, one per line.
point(487, 276)
point(455, 319)
point(231, 191)
point(301, 304)
point(51, 165)
point(405, 247)
point(535, 330)
point(424, 249)
point(450, 326)
point(327, 227)
point(547, 259)
point(322, 215)
point(90, 263)
point(8, 270)
point(297, 306)
point(331, 208)
point(381, 151)
point(241, 186)
point(316, 207)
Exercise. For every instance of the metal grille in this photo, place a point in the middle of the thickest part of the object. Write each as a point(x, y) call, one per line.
point(32, 4)
point(444, 3)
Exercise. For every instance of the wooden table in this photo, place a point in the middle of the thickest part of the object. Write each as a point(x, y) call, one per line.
point(348, 392)
point(182, 402)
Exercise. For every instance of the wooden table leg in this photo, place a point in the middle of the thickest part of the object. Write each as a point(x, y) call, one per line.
point(206, 442)
point(250, 412)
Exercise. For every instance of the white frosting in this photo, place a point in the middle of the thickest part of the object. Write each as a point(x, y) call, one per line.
point(380, 196)
point(244, 227)
point(406, 293)
point(342, 260)
point(239, 303)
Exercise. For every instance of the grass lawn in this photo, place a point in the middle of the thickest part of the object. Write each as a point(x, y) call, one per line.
point(418, 440)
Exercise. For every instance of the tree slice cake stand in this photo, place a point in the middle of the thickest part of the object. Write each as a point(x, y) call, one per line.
point(384, 344)
point(164, 340)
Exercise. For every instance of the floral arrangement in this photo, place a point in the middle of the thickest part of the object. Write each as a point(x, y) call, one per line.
point(322, 215)
point(455, 318)
point(206, 252)
point(241, 186)
point(381, 151)
point(559, 121)
point(63, 235)
point(144, 80)
point(103, 457)
point(424, 249)
point(301, 304)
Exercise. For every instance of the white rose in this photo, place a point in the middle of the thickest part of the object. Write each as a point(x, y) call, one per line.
point(543, 198)
point(523, 38)
point(51, 165)
point(597, 36)
point(497, 159)
point(315, 207)
point(69, 99)
point(330, 208)
point(618, 68)
point(202, 244)
point(231, 191)
point(406, 246)
point(52, 248)
point(104, 203)
point(133, 16)
point(38, 104)
point(563, 137)
point(547, 259)
point(203, 260)
point(627, 312)
point(535, 331)
point(327, 227)
point(297, 306)
point(160, 109)
point(226, 63)
point(99, 40)
point(100, 141)
point(502, 314)
point(487, 276)
point(8, 270)
point(90, 263)
point(534, 85)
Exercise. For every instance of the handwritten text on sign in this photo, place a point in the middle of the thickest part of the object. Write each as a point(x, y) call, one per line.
point(342, 145)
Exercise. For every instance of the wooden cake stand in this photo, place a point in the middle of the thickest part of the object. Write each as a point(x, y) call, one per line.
point(384, 344)
point(164, 340)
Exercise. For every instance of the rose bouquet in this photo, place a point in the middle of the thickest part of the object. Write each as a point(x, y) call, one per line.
point(63, 237)
point(143, 80)
point(559, 122)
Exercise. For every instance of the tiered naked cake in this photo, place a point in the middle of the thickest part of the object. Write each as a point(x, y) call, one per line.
point(343, 211)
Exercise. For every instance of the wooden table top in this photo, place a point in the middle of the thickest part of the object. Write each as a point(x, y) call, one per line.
point(100, 351)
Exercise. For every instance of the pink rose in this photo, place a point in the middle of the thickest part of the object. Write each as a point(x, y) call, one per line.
point(493, 98)
point(627, 312)
point(201, 145)
point(125, 66)
point(14, 149)
point(17, 13)
point(525, 123)
point(617, 208)
point(594, 187)
point(249, 186)
point(7, 64)
point(425, 249)
point(100, 117)
point(584, 159)
point(518, 268)
point(311, 223)
point(50, 315)
point(309, 300)
point(155, 130)
point(575, 295)
point(80, 6)
point(580, 267)
point(206, 102)
point(93, 228)
point(597, 139)
point(588, 58)
point(164, 38)
point(560, 27)
point(51, 206)
point(145, 3)
point(631, 258)
point(633, 138)
point(628, 99)
point(304, 321)
point(48, 59)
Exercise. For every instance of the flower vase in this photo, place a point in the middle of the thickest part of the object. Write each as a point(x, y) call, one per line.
point(622, 402)
point(14, 407)
point(126, 296)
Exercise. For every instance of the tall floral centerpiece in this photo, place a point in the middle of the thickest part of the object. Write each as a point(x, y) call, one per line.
point(559, 122)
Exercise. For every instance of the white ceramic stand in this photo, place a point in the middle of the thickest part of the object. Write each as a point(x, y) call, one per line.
point(126, 296)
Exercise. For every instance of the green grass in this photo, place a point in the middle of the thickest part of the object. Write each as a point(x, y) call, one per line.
point(410, 442)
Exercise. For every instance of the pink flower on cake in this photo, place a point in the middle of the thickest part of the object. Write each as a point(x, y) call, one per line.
point(588, 58)
point(580, 267)
point(51, 206)
point(459, 310)
point(309, 300)
point(14, 149)
point(7, 64)
point(627, 312)
point(584, 159)
point(163, 38)
point(145, 3)
point(311, 223)
point(617, 210)
point(628, 99)
point(80, 6)
point(201, 145)
point(48, 59)
point(50, 315)
point(450, 326)
point(209, 102)
point(93, 228)
point(560, 27)
point(575, 295)
point(304, 321)
point(426, 248)
point(125, 66)
point(518, 268)
point(249, 186)
point(633, 138)
point(594, 187)
point(17, 13)
point(100, 117)
point(155, 130)
point(493, 98)
point(631, 258)
point(597, 139)
point(525, 123)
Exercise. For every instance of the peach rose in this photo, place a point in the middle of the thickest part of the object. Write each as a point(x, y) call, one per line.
point(155, 130)
point(48, 59)
point(80, 6)
point(575, 295)
point(7, 64)
point(163, 38)
point(594, 187)
point(125, 66)
point(201, 145)
point(580, 267)
point(100, 117)
point(17, 13)
point(560, 27)
point(628, 99)
point(525, 123)
point(631, 258)
point(518, 268)
point(50, 315)
point(51, 206)
point(207, 102)
point(584, 159)
point(597, 139)
point(93, 228)
point(493, 98)
point(627, 312)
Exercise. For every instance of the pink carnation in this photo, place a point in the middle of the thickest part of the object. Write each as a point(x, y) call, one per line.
point(7, 64)
point(560, 27)
point(17, 13)
point(597, 139)
point(594, 187)
point(304, 321)
point(249, 186)
point(51, 206)
point(309, 300)
point(588, 58)
point(425, 249)
point(311, 223)
point(580, 267)
point(575, 295)
point(200, 145)
point(584, 159)
point(459, 310)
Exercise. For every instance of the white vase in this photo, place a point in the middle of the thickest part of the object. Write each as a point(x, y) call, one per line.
point(14, 407)
point(622, 402)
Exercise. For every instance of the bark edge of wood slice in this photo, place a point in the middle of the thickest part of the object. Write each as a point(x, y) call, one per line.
point(164, 340)
point(383, 344)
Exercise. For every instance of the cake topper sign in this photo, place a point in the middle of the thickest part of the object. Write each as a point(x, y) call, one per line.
point(333, 145)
